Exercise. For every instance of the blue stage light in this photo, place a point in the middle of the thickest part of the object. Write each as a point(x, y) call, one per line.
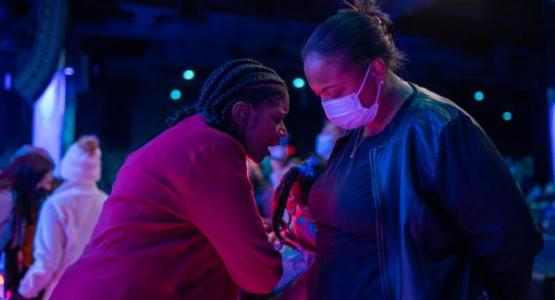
point(479, 96)
point(298, 83)
point(175, 95)
point(188, 74)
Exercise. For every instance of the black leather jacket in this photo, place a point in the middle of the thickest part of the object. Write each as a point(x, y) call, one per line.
point(452, 224)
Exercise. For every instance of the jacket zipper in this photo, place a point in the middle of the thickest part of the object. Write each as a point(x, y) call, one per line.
point(376, 193)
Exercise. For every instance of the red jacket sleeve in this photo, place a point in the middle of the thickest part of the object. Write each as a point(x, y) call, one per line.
point(222, 206)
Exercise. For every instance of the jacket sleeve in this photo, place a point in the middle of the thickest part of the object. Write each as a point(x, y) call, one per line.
point(479, 192)
point(48, 252)
point(222, 207)
point(6, 219)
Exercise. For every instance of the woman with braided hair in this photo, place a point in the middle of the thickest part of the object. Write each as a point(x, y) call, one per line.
point(181, 222)
point(416, 202)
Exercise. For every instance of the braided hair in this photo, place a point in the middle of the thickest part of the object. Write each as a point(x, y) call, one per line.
point(304, 175)
point(236, 80)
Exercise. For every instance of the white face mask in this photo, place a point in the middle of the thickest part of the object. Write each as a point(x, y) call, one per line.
point(348, 113)
point(324, 145)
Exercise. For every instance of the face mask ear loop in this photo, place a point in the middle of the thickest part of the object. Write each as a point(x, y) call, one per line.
point(380, 84)
point(364, 80)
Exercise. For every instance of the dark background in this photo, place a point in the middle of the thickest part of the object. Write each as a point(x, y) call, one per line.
point(129, 54)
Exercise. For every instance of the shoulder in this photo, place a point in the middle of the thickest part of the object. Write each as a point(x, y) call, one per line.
point(6, 199)
point(431, 106)
point(73, 192)
point(432, 112)
point(202, 142)
point(189, 138)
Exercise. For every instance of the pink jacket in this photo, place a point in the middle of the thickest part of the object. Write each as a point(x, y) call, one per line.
point(181, 223)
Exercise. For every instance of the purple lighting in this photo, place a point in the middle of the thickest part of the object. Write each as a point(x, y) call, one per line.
point(49, 116)
point(551, 105)
point(69, 71)
point(7, 81)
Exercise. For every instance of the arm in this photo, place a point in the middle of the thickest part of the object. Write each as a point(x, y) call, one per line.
point(223, 208)
point(478, 191)
point(6, 219)
point(305, 231)
point(48, 252)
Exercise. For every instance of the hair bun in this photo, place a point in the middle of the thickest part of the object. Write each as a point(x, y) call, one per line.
point(89, 143)
point(373, 10)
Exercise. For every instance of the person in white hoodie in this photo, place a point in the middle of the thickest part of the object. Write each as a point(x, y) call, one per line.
point(66, 219)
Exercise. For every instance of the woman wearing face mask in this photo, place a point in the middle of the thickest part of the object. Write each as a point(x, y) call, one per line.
point(23, 185)
point(416, 202)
